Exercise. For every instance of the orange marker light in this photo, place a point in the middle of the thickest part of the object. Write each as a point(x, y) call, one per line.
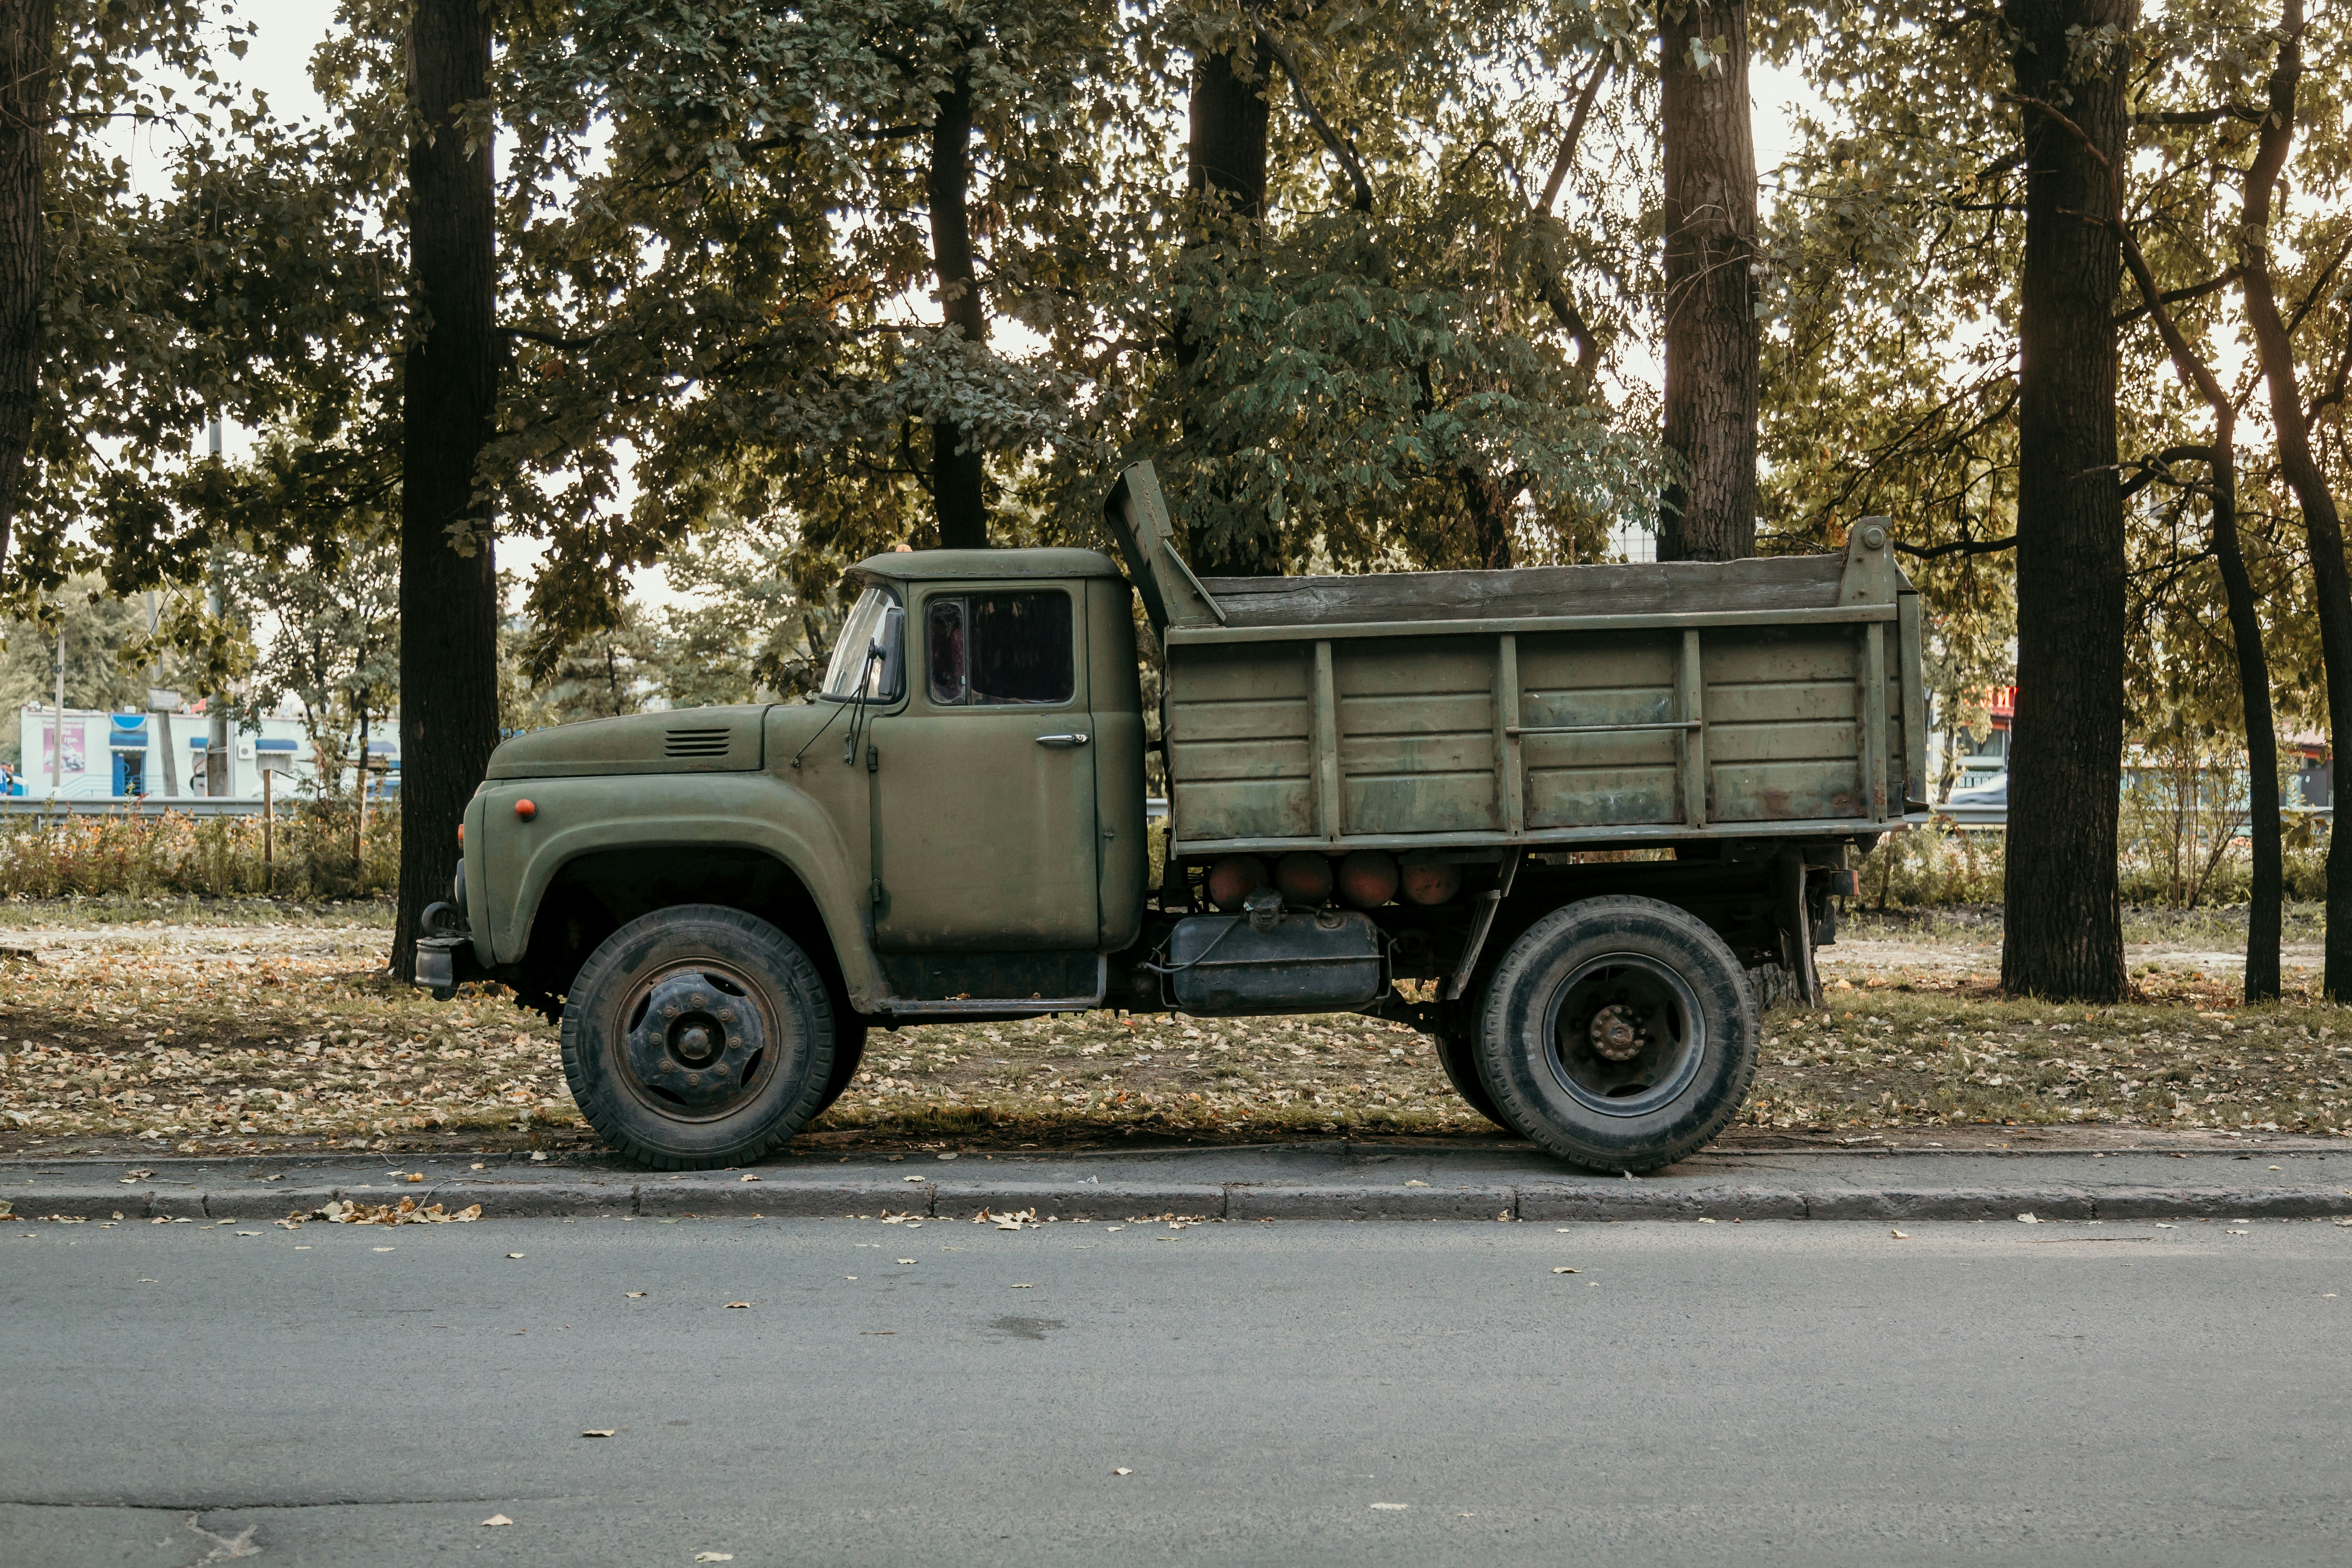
point(461, 833)
point(525, 810)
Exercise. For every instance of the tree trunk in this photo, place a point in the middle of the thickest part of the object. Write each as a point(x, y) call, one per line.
point(1225, 159)
point(27, 47)
point(1712, 340)
point(448, 599)
point(2063, 936)
point(2292, 422)
point(1226, 153)
point(2266, 911)
point(958, 496)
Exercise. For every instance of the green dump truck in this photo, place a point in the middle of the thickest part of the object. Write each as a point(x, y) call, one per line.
point(1550, 816)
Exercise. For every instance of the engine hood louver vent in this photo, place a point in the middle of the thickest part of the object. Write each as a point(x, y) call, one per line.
point(699, 740)
point(696, 742)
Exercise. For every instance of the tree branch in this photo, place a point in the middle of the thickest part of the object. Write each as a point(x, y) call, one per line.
point(1575, 134)
point(1956, 547)
point(2250, 113)
point(1349, 162)
point(2174, 296)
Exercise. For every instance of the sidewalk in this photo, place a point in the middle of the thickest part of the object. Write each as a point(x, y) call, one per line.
point(1352, 1180)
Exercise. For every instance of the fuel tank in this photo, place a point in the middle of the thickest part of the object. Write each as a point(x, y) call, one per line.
point(1298, 961)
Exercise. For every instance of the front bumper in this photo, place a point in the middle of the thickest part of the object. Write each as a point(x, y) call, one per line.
point(436, 963)
point(444, 951)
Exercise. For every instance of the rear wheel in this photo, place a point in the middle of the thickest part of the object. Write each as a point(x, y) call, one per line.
point(1458, 1053)
point(696, 1037)
point(848, 1055)
point(1618, 1033)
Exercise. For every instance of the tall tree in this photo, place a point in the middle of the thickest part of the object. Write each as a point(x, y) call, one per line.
point(2292, 419)
point(449, 584)
point(28, 48)
point(1224, 180)
point(1372, 365)
point(2063, 935)
point(1712, 336)
point(959, 494)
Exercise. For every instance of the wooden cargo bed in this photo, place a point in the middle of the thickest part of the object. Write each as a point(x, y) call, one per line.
point(1593, 707)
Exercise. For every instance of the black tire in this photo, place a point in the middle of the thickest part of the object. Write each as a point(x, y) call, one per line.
point(848, 1055)
point(741, 1064)
point(1458, 1053)
point(1618, 1033)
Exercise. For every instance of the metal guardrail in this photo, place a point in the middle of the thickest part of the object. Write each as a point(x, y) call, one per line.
point(41, 810)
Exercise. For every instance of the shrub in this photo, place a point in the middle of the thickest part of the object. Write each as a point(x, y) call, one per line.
point(215, 856)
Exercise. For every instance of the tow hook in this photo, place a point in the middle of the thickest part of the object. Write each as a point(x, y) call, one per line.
point(438, 944)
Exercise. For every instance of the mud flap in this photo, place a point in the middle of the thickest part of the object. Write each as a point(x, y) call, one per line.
point(1796, 925)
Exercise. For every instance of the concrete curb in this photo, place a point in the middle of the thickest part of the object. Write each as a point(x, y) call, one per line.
point(1594, 1200)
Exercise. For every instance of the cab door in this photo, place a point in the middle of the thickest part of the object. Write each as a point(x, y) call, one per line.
point(984, 784)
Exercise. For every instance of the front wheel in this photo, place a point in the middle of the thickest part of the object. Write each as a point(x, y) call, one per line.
point(1618, 1033)
point(696, 1037)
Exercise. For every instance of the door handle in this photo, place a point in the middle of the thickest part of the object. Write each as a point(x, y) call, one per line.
point(1063, 741)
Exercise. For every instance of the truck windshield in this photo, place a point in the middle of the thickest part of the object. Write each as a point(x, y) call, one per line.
point(875, 618)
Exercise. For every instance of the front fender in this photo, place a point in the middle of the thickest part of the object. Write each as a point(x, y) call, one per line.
point(754, 812)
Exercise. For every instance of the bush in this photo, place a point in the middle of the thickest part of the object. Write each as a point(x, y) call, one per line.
point(1925, 866)
point(214, 857)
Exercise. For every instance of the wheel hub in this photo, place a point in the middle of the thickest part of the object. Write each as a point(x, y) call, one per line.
point(1615, 1035)
point(1626, 1034)
point(695, 1037)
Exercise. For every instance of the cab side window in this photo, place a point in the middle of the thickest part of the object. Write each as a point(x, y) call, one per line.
point(1000, 649)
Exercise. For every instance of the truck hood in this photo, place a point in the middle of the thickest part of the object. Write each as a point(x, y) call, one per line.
point(689, 741)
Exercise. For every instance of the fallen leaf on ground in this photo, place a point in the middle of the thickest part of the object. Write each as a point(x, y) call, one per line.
point(1024, 1287)
point(714, 1557)
point(905, 1260)
point(600, 1431)
point(403, 1213)
point(633, 1295)
point(2028, 1219)
point(497, 1519)
point(747, 1178)
point(738, 1303)
point(514, 1254)
point(1564, 1271)
point(1702, 1222)
point(1393, 1506)
point(1122, 1470)
point(381, 1249)
point(1900, 1234)
point(1416, 1183)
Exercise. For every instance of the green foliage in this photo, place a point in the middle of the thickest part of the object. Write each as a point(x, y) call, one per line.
point(1928, 867)
point(1890, 371)
point(98, 629)
point(334, 638)
point(256, 285)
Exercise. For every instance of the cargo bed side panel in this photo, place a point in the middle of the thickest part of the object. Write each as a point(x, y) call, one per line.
point(1241, 728)
point(1784, 724)
point(1589, 679)
point(1416, 734)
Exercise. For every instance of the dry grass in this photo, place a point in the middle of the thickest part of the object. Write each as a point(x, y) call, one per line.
point(215, 1037)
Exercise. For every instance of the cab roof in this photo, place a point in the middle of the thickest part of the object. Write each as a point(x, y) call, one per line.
point(934, 565)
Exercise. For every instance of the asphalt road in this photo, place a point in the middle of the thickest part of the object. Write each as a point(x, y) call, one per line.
point(1310, 1392)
